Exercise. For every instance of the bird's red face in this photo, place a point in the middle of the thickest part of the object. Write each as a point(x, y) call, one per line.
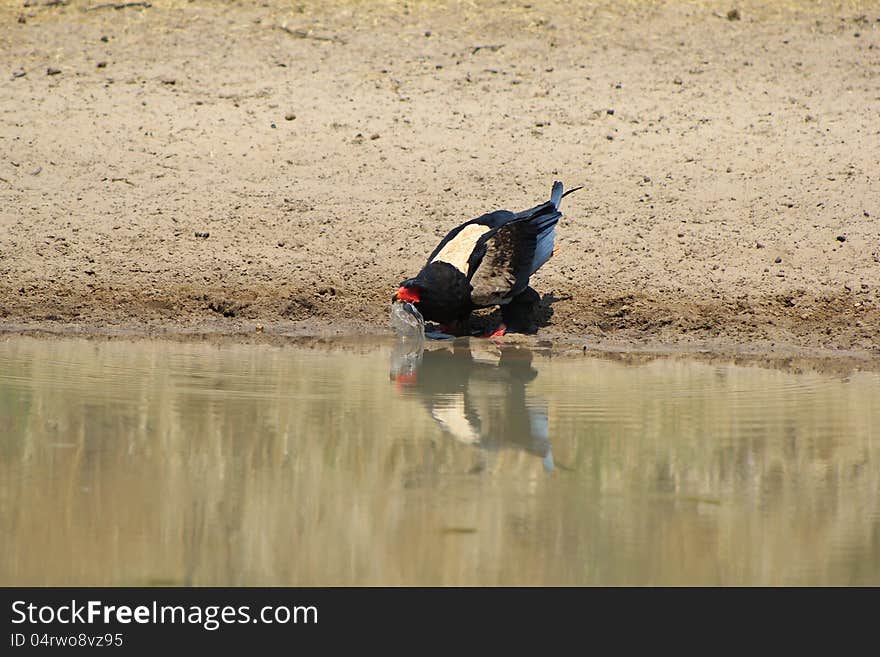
point(407, 294)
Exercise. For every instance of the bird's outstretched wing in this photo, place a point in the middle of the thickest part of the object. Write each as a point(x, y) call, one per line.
point(503, 259)
point(499, 251)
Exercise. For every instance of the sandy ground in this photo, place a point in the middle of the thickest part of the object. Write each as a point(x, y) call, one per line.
point(227, 165)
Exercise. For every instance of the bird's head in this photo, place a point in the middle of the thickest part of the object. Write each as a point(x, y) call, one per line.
point(441, 293)
point(410, 291)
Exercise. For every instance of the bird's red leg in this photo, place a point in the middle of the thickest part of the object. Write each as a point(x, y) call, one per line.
point(498, 332)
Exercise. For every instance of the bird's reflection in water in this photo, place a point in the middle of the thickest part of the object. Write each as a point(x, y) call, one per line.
point(476, 391)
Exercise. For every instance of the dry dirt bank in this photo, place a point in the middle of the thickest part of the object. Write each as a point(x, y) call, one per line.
point(223, 165)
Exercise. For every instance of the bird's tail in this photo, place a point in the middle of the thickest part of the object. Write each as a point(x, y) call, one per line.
point(557, 194)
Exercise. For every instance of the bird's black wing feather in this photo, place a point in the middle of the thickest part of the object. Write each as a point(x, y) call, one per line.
point(498, 268)
point(503, 260)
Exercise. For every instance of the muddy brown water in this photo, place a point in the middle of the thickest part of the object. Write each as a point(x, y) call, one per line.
point(142, 463)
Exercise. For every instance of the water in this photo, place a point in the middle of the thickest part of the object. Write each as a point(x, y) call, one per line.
point(139, 463)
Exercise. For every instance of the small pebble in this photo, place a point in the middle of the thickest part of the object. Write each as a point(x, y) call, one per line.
point(841, 238)
point(290, 116)
point(20, 73)
point(105, 39)
point(778, 260)
point(53, 71)
point(202, 234)
point(733, 15)
point(610, 112)
point(101, 64)
point(759, 245)
point(374, 136)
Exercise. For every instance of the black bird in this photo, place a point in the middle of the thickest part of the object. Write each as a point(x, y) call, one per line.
point(485, 262)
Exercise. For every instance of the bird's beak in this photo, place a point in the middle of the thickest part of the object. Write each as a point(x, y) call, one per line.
point(394, 298)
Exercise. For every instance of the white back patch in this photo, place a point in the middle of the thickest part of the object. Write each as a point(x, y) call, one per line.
point(450, 412)
point(459, 248)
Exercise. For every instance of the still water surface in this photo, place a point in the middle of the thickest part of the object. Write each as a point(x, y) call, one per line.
point(139, 463)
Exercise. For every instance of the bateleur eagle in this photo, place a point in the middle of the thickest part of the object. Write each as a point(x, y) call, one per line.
point(485, 262)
